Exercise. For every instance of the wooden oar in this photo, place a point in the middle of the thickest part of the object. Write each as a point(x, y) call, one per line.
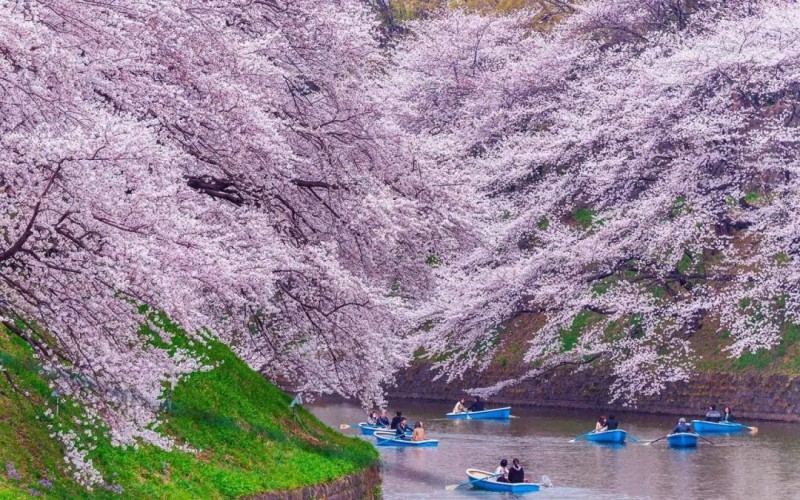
point(452, 487)
point(704, 439)
point(348, 426)
point(401, 437)
point(579, 437)
point(752, 429)
point(656, 440)
point(633, 438)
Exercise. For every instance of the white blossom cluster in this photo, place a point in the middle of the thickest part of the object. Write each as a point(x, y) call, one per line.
point(76, 455)
point(224, 164)
point(639, 162)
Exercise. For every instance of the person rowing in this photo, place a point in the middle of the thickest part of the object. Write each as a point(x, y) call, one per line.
point(682, 426)
point(477, 405)
point(612, 423)
point(400, 430)
point(713, 415)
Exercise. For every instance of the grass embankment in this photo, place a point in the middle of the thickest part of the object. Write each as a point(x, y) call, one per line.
point(246, 437)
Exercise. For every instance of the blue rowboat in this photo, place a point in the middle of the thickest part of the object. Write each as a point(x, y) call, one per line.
point(682, 440)
point(390, 439)
point(704, 426)
point(497, 413)
point(369, 430)
point(613, 436)
point(486, 482)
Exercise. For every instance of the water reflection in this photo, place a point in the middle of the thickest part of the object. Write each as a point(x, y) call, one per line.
point(736, 466)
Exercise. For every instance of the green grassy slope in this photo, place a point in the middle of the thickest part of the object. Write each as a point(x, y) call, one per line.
point(247, 439)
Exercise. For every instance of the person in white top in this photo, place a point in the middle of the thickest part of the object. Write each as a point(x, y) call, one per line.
point(601, 424)
point(459, 407)
point(502, 471)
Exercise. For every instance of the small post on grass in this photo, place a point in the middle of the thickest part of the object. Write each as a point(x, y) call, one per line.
point(297, 401)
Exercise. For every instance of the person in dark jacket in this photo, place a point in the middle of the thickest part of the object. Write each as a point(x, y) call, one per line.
point(713, 415)
point(383, 420)
point(612, 423)
point(396, 420)
point(400, 430)
point(682, 426)
point(477, 405)
point(727, 415)
point(516, 474)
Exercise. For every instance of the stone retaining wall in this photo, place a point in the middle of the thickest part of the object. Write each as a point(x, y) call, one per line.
point(364, 485)
point(775, 397)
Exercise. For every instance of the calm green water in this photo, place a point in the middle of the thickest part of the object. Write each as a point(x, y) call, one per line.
point(761, 466)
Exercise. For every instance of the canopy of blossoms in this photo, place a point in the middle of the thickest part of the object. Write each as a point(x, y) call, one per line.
point(327, 192)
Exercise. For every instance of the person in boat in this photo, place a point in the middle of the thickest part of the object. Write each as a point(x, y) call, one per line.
point(396, 420)
point(600, 426)
point(459, 407)
point(713, 415)
point(419, 432)
point(516, 474)
point(400, 430)
point(612, 423)
point(727, 416)
point(383, 420)
point(502, 471)
point(682, 426)
point(372, 419)
point(477, 405)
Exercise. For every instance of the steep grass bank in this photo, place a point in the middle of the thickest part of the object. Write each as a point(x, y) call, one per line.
point(246, 438)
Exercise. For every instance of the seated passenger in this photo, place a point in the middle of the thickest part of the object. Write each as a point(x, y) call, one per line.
point(459, 407)
point(728, 416)
point(516, 474)
point(383, 420)
point(612, 423)
point(601, 424)
point(477, 405)
point(502, 471)
point(682, 426)
point(396, 420)
point(419, 432)
point(372, 419)
point(713, 415)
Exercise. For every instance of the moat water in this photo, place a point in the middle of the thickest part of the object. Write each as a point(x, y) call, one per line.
point(747, 466)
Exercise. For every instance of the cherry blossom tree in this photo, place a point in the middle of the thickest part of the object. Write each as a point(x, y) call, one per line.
point(226, 164)
point(619, 153)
